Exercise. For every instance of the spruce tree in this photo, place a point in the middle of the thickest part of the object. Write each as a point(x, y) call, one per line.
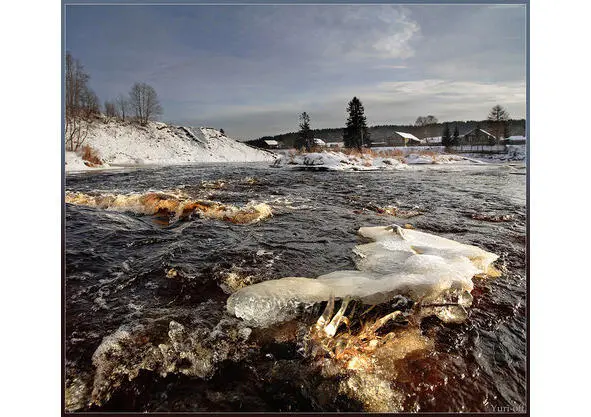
point(355, 134)
point(446, 136)
point(305, 135)
point(456, 138)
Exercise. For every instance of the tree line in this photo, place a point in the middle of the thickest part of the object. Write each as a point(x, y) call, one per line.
point(356, 133)
point(140, 105)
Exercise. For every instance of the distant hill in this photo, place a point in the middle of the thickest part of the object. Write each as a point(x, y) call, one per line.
point(380, 132)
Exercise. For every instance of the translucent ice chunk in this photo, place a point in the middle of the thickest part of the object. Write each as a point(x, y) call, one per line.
point(274, 301)
point(418, 265)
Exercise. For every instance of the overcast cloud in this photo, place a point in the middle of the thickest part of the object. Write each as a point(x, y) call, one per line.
point(252, 69)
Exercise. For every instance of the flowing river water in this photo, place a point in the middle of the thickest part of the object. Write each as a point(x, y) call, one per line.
point(137, 285)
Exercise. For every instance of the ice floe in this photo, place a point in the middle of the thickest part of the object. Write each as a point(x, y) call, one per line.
point(397, 261)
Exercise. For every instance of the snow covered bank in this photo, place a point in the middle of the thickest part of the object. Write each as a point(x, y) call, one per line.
point(74, 162)
point(125, 144)
point(370, 161)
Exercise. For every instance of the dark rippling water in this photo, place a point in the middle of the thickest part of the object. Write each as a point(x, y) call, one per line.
point(116, 266)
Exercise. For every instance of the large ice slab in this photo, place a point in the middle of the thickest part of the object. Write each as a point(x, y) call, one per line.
point(418, 265)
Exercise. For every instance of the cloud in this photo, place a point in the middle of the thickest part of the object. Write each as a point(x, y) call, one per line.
point(353, 32)
point(253, 69)
point(386, 66)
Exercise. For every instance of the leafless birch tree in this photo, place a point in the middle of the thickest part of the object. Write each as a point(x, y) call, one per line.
point(143, 100)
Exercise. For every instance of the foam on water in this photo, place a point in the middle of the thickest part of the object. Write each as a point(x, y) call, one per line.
point(176, 205)
point(424, 267)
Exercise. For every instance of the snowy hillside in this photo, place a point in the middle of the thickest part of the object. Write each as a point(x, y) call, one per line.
point(124, 144)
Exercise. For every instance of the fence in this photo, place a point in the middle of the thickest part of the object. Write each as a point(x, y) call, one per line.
point(478, 149)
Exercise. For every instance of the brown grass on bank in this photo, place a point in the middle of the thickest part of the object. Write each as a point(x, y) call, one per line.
point(391, 153)
point(90, 156)
point(313, 149)
point(363, 153)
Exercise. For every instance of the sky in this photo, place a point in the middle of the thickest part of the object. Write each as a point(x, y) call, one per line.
point(252, 69)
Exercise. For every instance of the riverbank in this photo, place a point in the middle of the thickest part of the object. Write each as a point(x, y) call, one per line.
point(366, 160)
point(112, 144)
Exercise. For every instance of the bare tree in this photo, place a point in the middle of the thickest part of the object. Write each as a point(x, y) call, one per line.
point(144, 102)
point(122, 106)
point(81, 103)
point(89, 103)
point(498, 120)
point(426, 120)
point(431, 120)
point(498, 113)
point(110, 109)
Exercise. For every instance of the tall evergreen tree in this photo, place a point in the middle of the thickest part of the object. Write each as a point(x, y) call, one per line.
point(355, 134)
point(456, 137)
point(446, 136)
point(305, 135)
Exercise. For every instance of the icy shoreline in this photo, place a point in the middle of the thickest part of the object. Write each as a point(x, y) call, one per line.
point(367, 161)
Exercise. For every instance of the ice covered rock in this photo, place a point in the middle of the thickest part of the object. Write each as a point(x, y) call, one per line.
point(424, 267)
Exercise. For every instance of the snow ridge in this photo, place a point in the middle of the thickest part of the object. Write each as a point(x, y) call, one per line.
point(125, 144)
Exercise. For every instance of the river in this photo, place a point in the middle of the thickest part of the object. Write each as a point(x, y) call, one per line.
point(129, 275)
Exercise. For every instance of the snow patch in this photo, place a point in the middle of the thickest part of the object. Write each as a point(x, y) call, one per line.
point(339, 161)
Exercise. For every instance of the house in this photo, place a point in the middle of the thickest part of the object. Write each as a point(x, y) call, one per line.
point(319, 142)
point(335, 144)
point(478, 136)
point(270, 144)
point(436, 140)
point(515, 140)
point(402, 139)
